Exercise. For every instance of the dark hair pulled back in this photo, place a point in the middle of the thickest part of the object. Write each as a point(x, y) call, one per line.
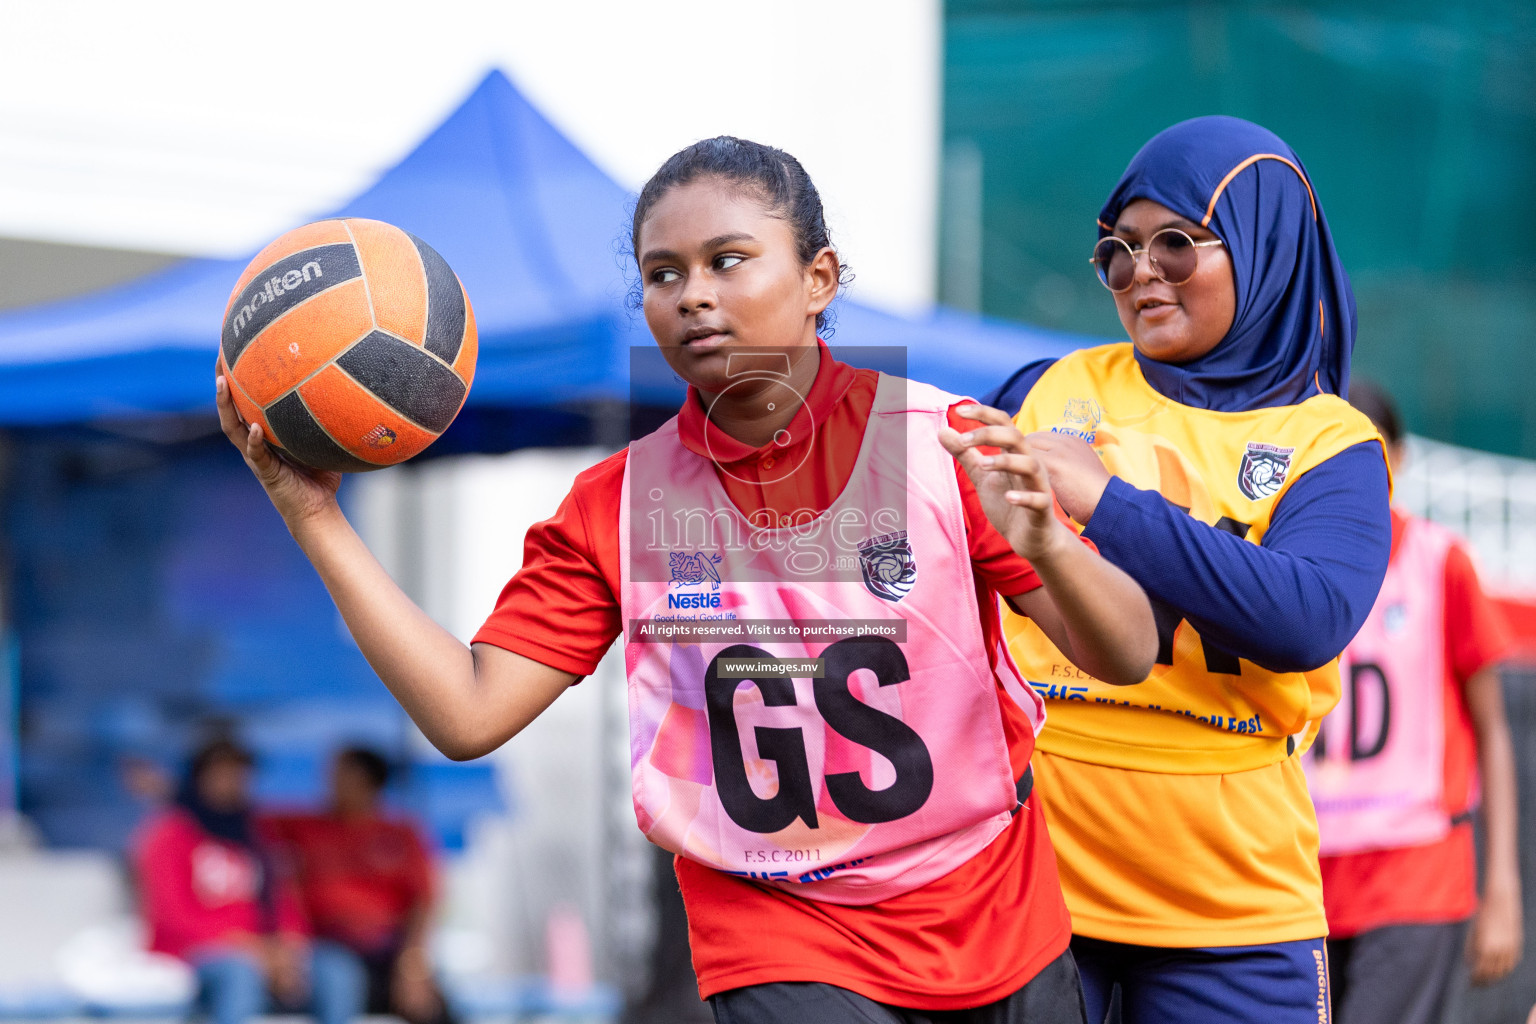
point(1379, 408)
point(771, 174)
point(368, 761)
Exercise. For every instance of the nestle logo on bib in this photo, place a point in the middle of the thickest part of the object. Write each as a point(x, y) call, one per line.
point(693, 600)
point(692, 569)
point(1263, 470)
point(1080, 418)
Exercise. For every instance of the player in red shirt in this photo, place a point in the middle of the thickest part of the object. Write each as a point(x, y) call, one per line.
point(366, 882)
point(737, 271)
point(1399, 874)
point(210, 895)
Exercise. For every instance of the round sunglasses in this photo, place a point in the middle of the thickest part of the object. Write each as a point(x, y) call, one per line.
point(1174, 256)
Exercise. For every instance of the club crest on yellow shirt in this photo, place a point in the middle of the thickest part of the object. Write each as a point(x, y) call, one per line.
point(1263, 471)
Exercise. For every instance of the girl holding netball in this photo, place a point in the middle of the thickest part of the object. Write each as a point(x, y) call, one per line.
point(1213, 460)
point(826, 726)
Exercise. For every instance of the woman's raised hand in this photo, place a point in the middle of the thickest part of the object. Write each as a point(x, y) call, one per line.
point(1014, 486)
point(1078, 477)
point(296, 492)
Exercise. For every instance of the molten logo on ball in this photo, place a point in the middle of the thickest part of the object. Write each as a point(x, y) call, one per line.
point(273, 288)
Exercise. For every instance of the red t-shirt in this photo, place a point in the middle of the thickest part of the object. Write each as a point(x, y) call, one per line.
point(358, 878)
point(970, 938)
point(1435, 882)
point(200, 894)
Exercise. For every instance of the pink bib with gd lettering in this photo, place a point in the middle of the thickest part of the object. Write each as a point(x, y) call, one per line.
point(1377, 767)
point(846, 743)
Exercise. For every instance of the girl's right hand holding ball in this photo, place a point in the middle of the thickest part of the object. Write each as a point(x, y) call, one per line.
point(297, 492)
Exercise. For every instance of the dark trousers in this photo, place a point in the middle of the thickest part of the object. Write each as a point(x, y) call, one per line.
point(671, 994)
point(1051, 997)
point(1401, 974)
point(380, 969)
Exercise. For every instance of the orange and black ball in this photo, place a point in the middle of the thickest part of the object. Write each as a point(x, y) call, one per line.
point(351, 342)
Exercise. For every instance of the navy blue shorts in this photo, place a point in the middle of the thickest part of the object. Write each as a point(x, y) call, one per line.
point(1277, 983)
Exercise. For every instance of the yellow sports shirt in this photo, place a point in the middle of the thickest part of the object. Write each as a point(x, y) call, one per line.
point(1179, 816)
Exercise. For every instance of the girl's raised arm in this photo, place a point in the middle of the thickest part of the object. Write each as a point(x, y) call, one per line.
point(466, 701)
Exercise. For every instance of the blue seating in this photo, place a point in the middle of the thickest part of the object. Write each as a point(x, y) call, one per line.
point(149, 603)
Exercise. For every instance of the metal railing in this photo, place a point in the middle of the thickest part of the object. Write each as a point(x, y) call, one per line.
point(1488, 499)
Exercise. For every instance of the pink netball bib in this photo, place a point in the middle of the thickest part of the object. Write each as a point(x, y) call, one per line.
point(812, 706)
point(1377, 768)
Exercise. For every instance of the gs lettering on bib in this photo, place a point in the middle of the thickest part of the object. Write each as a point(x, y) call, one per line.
point(1377, 768)
point(1203, 709)
point(813, 706)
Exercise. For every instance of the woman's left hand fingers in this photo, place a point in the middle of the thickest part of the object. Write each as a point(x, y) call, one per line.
point(984, 414)
point(1040, 501)
point(1003, 436)
point(954, 442)
point(1064, 449)
point(1026, 467)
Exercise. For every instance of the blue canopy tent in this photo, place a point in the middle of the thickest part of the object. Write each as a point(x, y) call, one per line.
point(533, 228)
point(525, 219)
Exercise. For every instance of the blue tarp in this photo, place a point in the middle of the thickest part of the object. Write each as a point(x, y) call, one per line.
point(536, 232)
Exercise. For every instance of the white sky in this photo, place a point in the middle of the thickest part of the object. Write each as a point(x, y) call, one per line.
point(209, 127)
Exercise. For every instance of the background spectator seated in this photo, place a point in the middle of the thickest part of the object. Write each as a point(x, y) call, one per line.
point(212, 894)
point(367, 884)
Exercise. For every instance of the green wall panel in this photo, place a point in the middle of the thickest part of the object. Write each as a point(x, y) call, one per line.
point(1417, 123)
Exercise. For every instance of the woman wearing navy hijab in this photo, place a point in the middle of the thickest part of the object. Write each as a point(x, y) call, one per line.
point(1213, 458)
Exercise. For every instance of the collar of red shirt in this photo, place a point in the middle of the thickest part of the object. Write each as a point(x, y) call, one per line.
point(702, 437)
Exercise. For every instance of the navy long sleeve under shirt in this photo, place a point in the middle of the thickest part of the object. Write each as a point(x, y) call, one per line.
point(1288, 604)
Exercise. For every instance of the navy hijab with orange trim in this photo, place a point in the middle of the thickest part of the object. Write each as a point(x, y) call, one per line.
point(1294, 327)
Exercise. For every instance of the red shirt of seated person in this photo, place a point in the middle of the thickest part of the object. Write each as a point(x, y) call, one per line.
point(365, 881)
point(206, 878)
point(202, 893)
